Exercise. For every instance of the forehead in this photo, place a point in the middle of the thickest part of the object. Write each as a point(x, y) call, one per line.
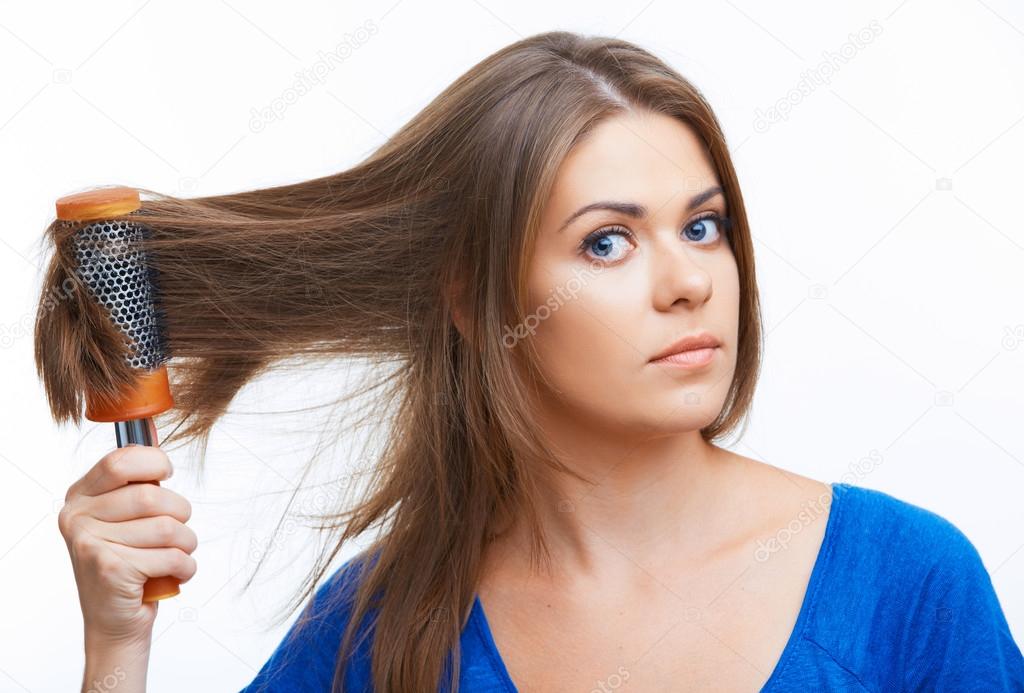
point(644, 157)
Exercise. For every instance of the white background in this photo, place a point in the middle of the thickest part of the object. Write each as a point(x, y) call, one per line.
point(884, 210)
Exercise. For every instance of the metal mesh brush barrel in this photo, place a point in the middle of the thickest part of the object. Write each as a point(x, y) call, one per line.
point(114, 270)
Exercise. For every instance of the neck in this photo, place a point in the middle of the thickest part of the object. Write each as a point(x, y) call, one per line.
point(655, 499)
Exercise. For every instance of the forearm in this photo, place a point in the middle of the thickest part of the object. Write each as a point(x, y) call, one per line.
point(120, 667)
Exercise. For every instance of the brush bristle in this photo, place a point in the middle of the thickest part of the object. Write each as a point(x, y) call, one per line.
point(117, 275)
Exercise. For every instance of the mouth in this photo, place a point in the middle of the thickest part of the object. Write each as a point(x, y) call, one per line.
point(689, 352)
point(691, 358)
point(690, 349)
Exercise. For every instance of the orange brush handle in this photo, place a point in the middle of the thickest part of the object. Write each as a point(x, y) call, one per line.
point(150, 394)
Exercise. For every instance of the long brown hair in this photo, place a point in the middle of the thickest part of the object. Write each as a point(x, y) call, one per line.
point(371, 262)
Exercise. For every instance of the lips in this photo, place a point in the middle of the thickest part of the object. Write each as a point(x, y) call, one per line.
point(704, 340)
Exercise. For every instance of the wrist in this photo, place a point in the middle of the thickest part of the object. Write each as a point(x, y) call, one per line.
point(101, 646)
point(112, 664)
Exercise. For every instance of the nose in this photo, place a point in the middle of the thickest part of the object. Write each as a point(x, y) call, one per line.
point(678, 274)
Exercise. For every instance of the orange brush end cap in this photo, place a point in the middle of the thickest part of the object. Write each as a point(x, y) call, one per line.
point(159, 588)
point(98, 204)
point(149, 395)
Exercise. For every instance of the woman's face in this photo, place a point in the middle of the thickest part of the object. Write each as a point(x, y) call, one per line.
point(608, 290)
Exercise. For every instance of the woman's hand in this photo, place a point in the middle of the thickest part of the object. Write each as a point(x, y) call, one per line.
point(121, 532)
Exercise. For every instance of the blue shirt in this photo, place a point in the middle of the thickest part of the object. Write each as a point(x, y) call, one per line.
point(898, 600)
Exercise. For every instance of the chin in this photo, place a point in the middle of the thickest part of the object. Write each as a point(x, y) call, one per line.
point(690, 411)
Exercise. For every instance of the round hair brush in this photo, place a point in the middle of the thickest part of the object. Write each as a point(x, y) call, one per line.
point(116, 275)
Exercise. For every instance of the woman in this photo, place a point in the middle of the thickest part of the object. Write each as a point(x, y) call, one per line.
point(556, 251)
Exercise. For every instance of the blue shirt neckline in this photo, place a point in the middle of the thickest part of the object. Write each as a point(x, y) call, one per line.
point(483, 629)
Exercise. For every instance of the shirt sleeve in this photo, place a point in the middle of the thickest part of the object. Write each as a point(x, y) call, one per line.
point(305, 659)
point(958, 638)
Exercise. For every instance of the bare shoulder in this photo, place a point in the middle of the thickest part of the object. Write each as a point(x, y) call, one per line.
point(773, 480)
point(775, 496)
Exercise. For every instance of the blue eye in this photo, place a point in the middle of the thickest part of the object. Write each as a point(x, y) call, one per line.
point(602, 245)
point(711, 225)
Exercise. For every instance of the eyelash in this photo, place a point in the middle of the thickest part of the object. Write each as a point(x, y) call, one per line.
point(724, 223)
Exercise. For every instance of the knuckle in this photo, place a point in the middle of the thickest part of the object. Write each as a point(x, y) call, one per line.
point(64, 520)
point(191, 540)
point(156, 454)
point(166, 529)
point(181, 560)
point(83, 548)
point(189, 568)
point(107, 566)
point(111, 463)
point(70, 525)
point(148, 497)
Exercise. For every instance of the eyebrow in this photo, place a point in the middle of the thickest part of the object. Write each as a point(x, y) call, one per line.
point(637, 211)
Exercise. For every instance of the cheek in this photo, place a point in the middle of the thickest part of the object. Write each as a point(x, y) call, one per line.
point(728, 287)
point(582, 323)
